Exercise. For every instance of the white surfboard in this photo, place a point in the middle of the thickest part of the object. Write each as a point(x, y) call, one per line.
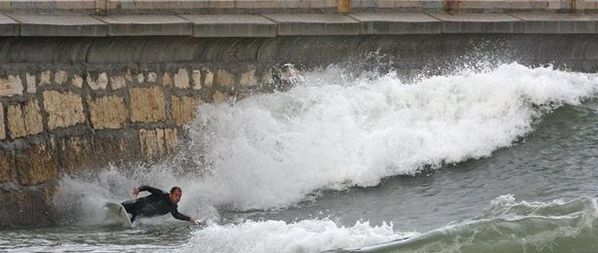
point(116, 214)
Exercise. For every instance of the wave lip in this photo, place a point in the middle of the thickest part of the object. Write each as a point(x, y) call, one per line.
point(273, 150)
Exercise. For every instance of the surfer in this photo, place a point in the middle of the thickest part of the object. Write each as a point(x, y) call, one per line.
point(157, 203)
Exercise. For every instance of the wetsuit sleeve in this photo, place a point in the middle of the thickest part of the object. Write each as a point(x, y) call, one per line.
point(179, 216)
point(150, 189)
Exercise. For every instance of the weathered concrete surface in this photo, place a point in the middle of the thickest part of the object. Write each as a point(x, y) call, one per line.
point(231, 26)
point(314, 24)
point(63, 25)
point(146, 25)
point(397, 23)
point(8, 26)
point(479, 23)
point(558, 23)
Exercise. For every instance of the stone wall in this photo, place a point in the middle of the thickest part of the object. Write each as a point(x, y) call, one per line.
point(61, 121)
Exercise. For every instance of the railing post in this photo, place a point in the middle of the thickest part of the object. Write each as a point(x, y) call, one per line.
point(102, 7)
point(343, 6)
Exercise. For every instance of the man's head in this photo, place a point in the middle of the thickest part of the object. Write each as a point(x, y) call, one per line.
point(175, 194)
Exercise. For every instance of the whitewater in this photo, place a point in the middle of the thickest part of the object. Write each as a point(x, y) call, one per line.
point(498, 159)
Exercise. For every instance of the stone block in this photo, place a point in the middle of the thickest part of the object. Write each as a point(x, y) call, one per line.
point(25, 119)
point(147, 105)
point(314, 24)
point(31, 83)
point(118, 147)
point(224, 78)
point(2, 127)
point(231, 26)
point(209, 77)
point(196, 77)
point(183, 109)
point(248, 78)
point(44, 77)
point(157, 142)
point(152, 77)
point(11, 86)
point(397, 23)
point(219, 97)
point(64, 109)
point(117, 82)
point(147, 25)
point(97, 83)
point(36, 164)
point(267, 77)
point(6, 167)
point(140, 78)
point(61, 76)
point(76, 153)
point(108, 112)
point(166, 80)
point(70, 25)
point(77, 81)
point(181, 79)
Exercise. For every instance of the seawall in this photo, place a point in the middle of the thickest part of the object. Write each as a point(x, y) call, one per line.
point(82, 86)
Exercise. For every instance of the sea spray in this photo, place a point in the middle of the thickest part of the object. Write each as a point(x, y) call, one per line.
point(273, 150)
point(280, 236)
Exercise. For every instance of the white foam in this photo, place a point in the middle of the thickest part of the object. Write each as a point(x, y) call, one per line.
point(89, 194)
point(331, 133)
point(279, 236)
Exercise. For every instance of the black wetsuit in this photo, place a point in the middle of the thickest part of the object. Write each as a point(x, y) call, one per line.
point(157, 203)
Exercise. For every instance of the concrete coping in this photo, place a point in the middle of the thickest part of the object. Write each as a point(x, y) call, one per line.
point(231, 26)
point(72, 25)
point(310, 18)
point(555, 16)
point(393, 17)
point(314, 24)
point(228, 19)
point(270, 25)
point(475, 17)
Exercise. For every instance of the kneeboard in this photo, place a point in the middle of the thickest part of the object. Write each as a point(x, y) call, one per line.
point(117, 214)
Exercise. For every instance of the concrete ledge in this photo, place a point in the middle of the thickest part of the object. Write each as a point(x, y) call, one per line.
point(314, 24)
point(479, 23)
point(271, 25)
point(397, 23)
point(59, 25)
point(558, 23)
point(8, 26)
point(45, 5)
point(147, 25)
point(231, 26)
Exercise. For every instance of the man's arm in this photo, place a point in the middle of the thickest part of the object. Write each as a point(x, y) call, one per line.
point(150, 189)
point(179, 216)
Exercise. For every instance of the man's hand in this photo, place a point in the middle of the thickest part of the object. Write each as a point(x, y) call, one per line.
point(196, 221)
point(135, 191)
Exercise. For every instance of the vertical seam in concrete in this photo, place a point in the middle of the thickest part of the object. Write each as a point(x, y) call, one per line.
point(273, 21)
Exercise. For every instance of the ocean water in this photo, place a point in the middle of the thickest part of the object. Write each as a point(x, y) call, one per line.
point(495, 159)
